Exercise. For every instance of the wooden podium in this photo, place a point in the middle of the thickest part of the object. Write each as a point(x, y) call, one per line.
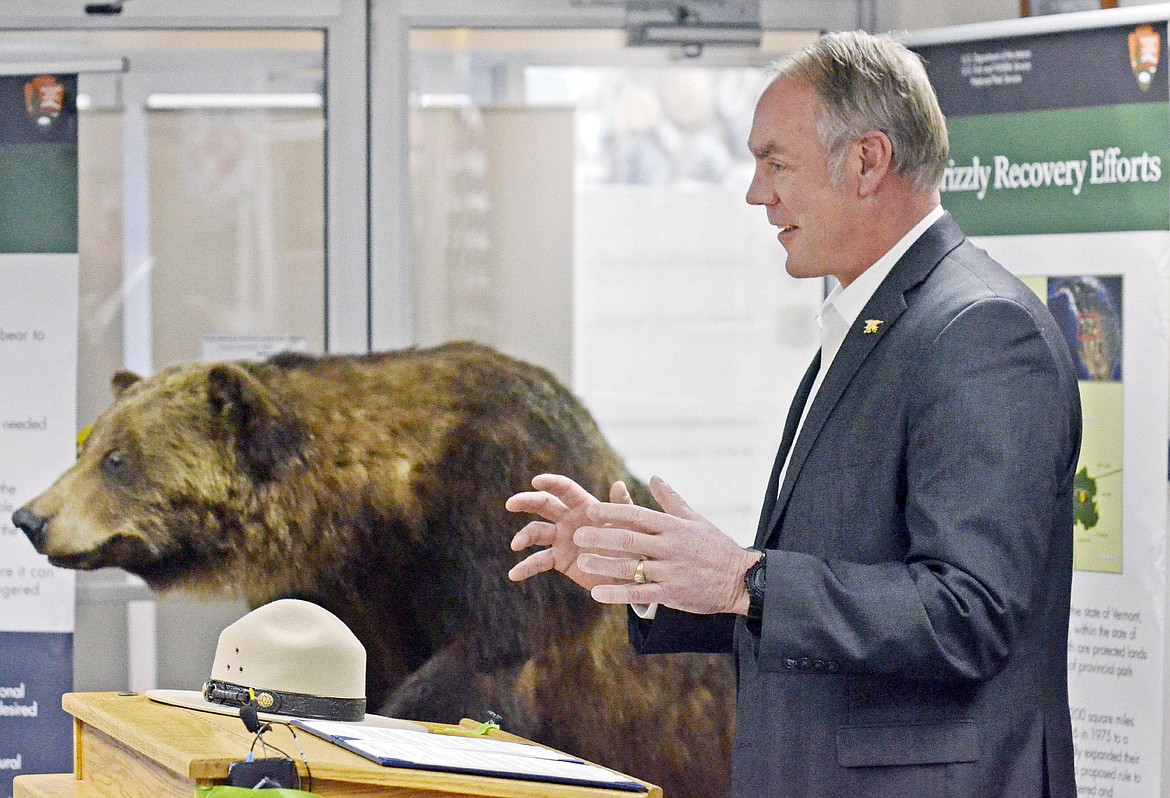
point(127, 746)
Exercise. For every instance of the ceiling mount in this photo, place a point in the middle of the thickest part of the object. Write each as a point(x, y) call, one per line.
point(693, 24)
point(104, 9)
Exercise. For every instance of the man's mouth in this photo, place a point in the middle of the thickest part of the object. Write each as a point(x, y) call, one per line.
point(784, 228)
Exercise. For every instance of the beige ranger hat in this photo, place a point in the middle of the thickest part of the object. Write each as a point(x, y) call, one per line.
point(296, 660)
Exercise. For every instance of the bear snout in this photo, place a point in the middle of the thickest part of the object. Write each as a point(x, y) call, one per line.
point(32, 525)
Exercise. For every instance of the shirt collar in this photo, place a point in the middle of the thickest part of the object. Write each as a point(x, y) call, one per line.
point(850, 301)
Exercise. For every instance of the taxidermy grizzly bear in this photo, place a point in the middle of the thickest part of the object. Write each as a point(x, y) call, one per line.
point(374, 486)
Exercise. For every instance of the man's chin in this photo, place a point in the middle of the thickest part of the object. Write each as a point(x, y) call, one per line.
point(804, 268)
point(799, 269)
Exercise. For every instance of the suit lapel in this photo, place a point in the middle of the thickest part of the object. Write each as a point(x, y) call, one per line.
point(793, 421)
point(885, 306)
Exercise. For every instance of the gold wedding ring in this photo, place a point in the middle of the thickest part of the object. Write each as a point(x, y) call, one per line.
point(639, 574)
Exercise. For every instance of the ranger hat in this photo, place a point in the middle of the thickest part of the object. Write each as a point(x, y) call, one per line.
point(295, 660)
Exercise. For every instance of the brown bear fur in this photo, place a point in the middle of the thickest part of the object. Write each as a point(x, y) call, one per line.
point(375, 486)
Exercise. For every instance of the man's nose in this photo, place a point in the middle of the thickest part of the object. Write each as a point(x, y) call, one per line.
point(760, 192)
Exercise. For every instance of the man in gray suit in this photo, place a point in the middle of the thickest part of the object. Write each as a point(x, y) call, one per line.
point(900, 624)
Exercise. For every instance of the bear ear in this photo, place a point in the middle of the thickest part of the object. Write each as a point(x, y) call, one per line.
point(121, 382)
point(264, 435)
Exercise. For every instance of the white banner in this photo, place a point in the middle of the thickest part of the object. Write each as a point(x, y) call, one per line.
point(1117, 627)
point(38, 427)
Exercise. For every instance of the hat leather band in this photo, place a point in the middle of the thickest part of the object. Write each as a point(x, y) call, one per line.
point(282, 703)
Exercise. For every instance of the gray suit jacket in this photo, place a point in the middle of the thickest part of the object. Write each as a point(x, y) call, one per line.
point(915, 621)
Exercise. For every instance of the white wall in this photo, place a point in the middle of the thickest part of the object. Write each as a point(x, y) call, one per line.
point(916, 15)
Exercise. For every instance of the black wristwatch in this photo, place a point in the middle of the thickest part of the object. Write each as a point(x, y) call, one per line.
point(754, 580)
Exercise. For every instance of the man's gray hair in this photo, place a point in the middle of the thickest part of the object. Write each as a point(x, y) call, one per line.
point(867, 82)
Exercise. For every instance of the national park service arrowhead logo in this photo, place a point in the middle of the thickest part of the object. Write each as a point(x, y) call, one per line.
point(44, 99)
point(1145, 48)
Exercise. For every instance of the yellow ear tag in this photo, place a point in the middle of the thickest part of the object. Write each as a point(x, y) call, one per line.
point(81, 436)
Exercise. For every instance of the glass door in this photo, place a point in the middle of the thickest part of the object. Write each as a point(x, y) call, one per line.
point(216, 220)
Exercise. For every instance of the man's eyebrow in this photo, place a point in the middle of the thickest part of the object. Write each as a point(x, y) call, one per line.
point(763, 152)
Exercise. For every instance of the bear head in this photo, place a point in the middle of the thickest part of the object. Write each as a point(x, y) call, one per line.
point(168, 477)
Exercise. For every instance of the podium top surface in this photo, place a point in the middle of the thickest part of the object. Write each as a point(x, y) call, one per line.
point(201, 745)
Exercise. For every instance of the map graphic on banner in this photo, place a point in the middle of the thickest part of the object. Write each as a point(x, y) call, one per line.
point(1060, 168)
point(39, 271)
point(1089, 311)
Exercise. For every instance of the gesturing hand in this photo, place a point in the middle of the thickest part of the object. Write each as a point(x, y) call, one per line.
point(688, 563)
point(563, 504)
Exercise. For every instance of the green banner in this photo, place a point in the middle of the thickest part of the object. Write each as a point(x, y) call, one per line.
point(39, 186)
point(1060, 164)
point(38, 164)
point(39, 271)
point(1083, 170)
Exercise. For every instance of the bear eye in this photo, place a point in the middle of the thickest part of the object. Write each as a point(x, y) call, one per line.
point(113, 461)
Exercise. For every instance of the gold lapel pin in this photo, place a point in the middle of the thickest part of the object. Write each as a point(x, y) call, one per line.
point(871, 326)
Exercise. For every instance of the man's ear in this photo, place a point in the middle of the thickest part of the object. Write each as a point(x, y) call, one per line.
point(264, 435)
point(875, 161)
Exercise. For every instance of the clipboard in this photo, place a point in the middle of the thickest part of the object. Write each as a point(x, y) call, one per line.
point(477, 756)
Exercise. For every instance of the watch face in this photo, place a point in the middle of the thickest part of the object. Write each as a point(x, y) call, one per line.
point(755, 577)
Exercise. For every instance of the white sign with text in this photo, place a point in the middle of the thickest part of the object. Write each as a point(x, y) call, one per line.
point(38, 427)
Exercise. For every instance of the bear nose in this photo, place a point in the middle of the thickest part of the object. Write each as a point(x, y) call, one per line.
point(31, 524)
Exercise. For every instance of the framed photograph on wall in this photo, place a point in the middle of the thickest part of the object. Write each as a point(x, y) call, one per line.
point(1038, 8)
